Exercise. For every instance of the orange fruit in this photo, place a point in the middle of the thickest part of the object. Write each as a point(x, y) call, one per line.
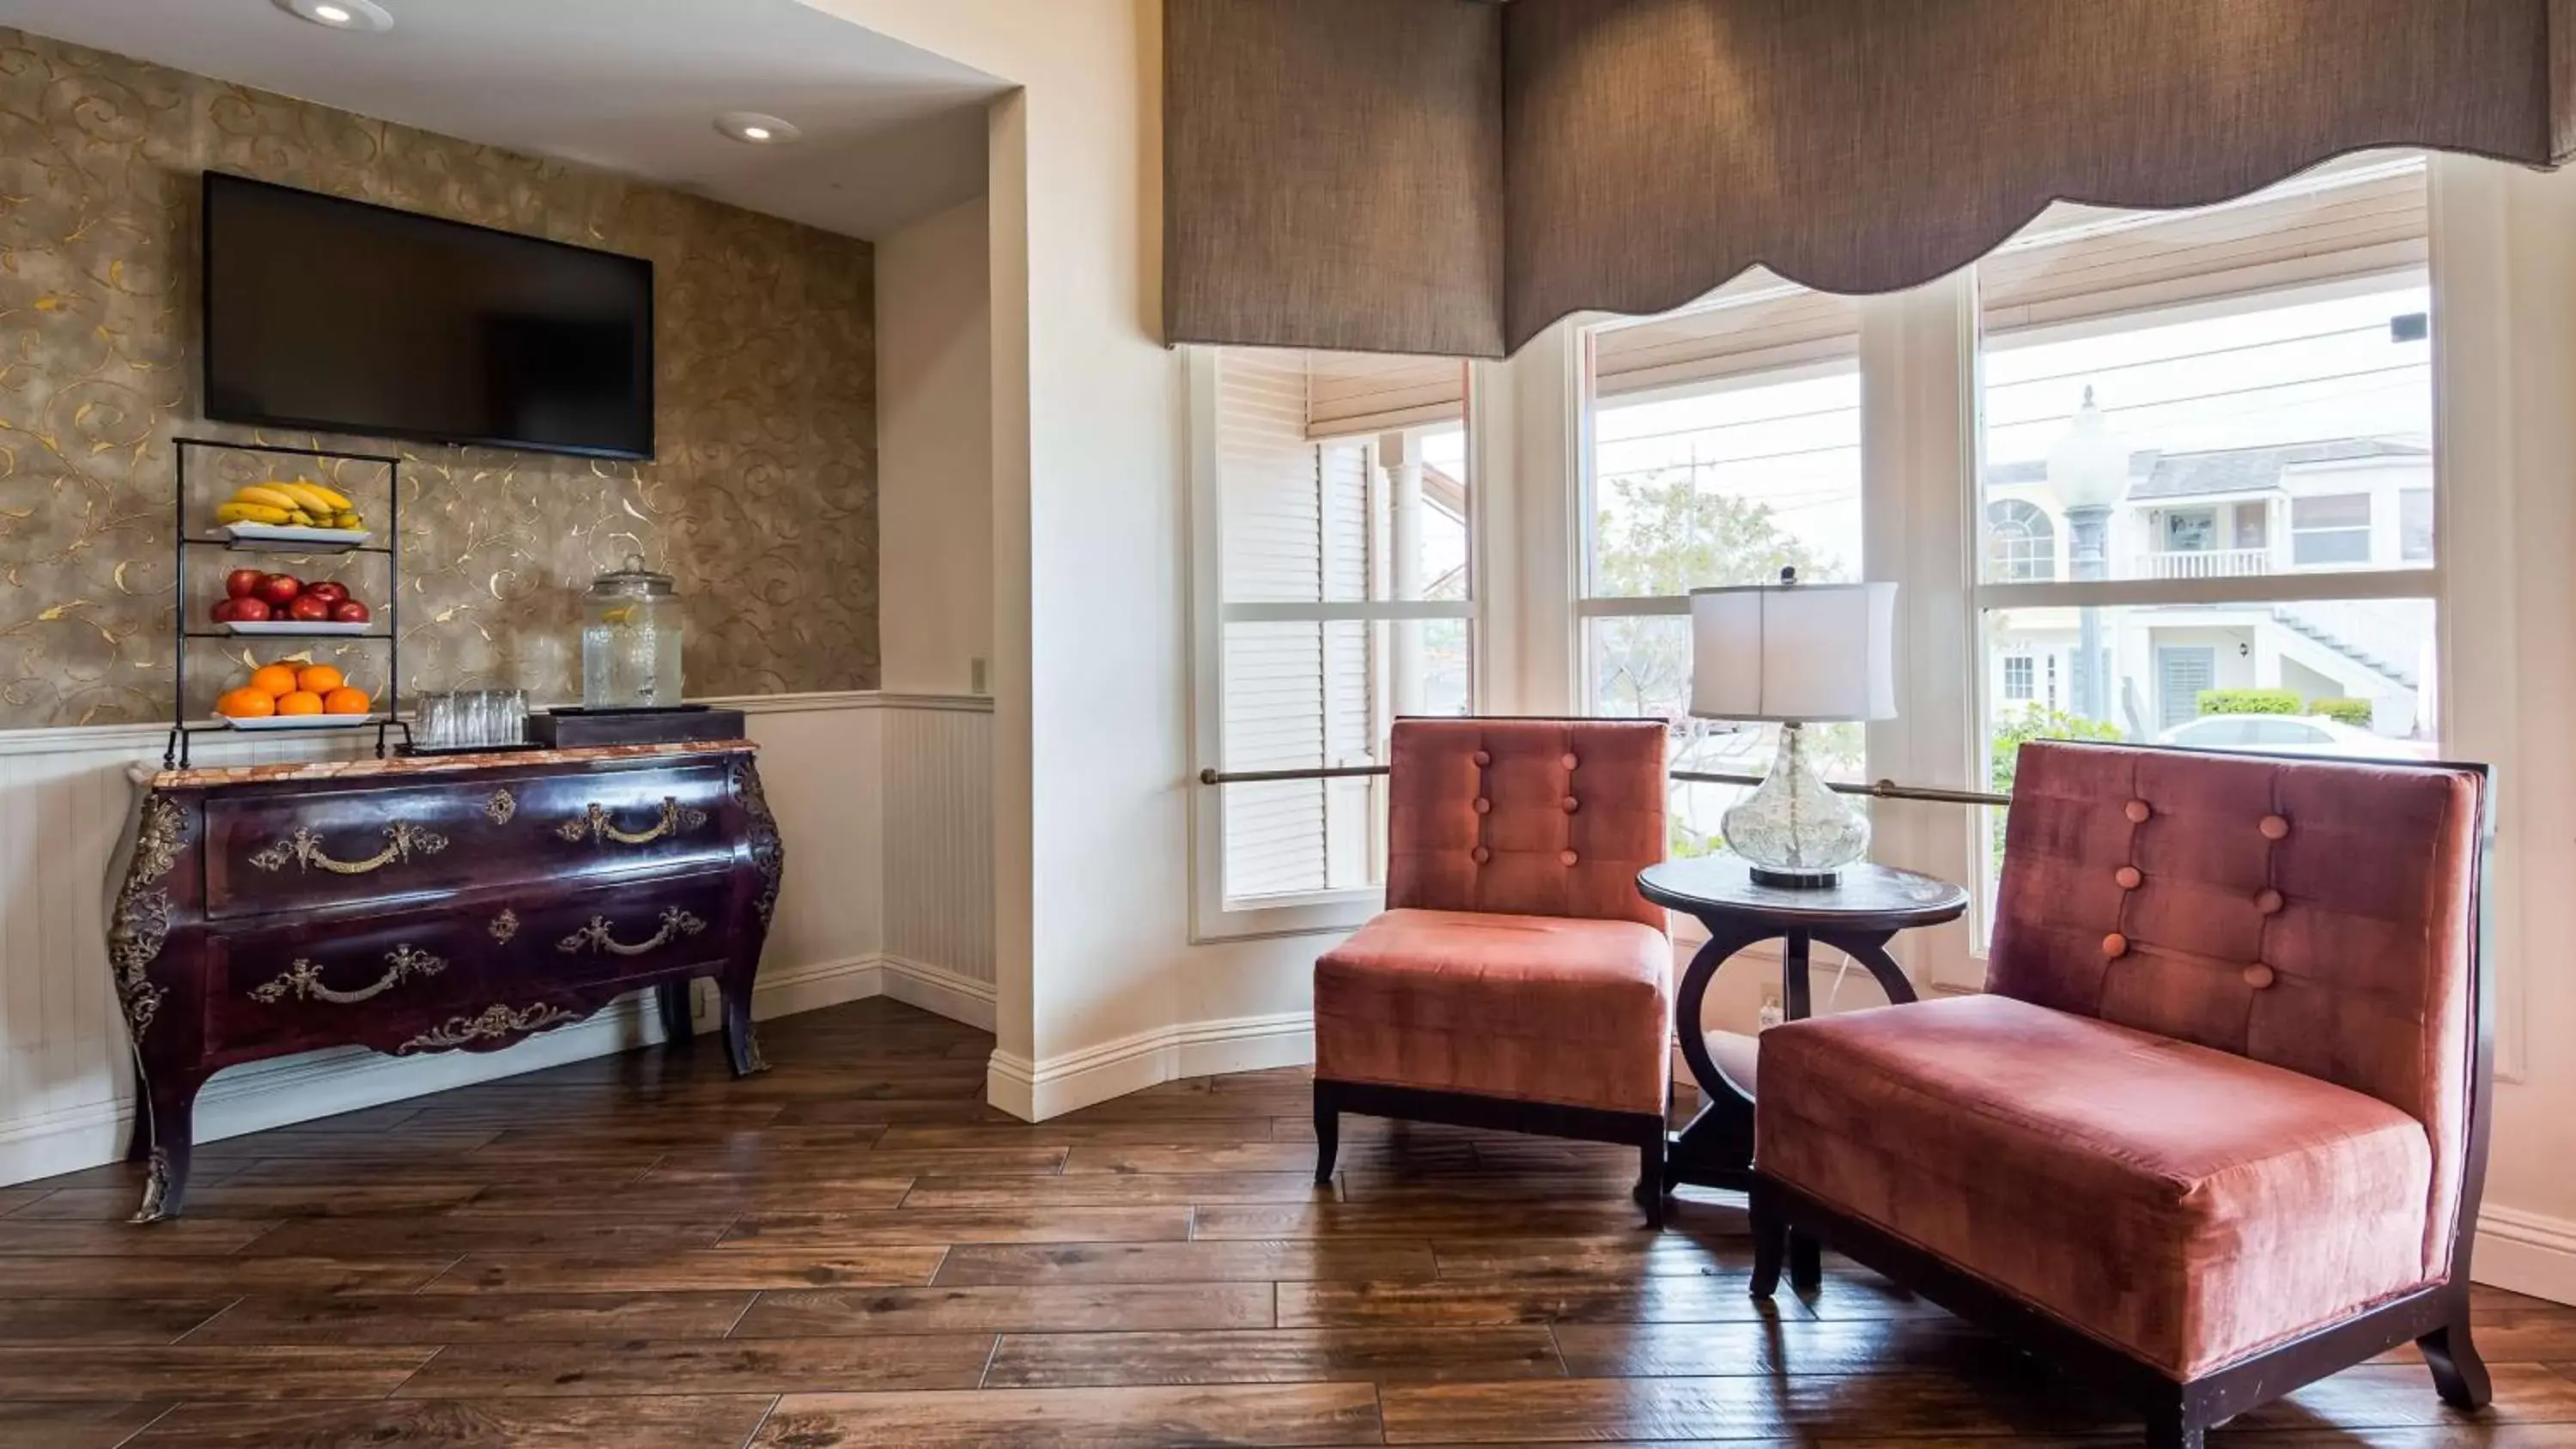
point(246, 704)
point(301, 701)
point(275, 680)
point(319, 679)
point(345, 700)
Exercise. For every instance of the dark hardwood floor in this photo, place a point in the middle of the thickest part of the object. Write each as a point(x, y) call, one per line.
point(853, 1250)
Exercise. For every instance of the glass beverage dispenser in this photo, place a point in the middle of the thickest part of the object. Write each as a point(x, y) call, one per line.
point(630, 640)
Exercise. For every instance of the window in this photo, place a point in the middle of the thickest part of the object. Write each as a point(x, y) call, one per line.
point(2330, 531)
point(2020, 679)
point(2021, 544)
point(1725, 445)
point(1333, 499)
point(2163, 382)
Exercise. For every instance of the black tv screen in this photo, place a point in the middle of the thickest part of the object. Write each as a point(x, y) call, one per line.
point(350, 318)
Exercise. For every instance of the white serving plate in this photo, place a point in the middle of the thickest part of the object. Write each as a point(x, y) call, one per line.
point(290, 533)
point(293, 627)
point(300, 721)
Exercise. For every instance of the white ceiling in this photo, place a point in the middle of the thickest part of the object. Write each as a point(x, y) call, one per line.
point(891, 133)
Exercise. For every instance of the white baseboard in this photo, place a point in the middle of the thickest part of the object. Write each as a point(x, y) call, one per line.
point(1036, 1091)
point(324, 1084)
point(2525, 1252)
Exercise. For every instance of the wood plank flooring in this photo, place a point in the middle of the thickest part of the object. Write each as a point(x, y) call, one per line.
point(853, 1250)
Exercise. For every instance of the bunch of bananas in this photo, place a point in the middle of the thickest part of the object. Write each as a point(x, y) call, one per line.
point(302, 504)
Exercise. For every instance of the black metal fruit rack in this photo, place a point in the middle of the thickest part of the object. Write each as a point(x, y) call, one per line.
point(389, 613)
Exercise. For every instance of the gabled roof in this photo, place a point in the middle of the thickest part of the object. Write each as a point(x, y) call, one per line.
point(2154, 474)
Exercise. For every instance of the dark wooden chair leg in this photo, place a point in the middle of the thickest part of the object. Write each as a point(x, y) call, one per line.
point(1650, 1173)
point(2458, 1373)
point(1806, 1262)
point(1328, 1132)
point(671, 999)
point(170, 1100)
point(1770, 1240)
point(2170, 1426)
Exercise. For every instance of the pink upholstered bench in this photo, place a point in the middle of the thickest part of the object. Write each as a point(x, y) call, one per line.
point(1517, 980)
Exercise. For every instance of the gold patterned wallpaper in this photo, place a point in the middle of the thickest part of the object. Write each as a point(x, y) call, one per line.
point(762, 502)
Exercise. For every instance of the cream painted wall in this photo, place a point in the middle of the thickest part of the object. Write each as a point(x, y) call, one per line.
point(1099, 990)
point(935, 452)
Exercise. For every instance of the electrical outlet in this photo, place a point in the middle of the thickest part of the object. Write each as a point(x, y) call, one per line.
point(1771, 1014)
point(975, 676)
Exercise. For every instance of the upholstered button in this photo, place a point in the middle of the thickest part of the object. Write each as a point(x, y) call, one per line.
point(1568, 761)
point(1484, 806)
point(1481, 855)
point(2274, 828)
point(2138, 812)
point(1572, 804)
point(2269, 903)
point(2258, 976)
point(1568, 857)
point(2115, 945)
point(2128, 877)
point(1483, 758)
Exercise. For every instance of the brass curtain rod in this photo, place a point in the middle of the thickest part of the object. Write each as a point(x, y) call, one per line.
point(1880, 790)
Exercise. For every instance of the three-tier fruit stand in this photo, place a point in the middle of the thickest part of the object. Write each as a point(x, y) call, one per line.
point(188, 631)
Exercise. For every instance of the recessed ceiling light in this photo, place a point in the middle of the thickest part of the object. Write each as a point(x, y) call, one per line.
point(754, 129)
point(362, 15)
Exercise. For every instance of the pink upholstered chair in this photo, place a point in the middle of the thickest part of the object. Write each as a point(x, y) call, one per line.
point(1516, 980)
point(2218, 1125)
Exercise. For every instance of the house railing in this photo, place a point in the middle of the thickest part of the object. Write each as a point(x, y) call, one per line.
point(2209, 563)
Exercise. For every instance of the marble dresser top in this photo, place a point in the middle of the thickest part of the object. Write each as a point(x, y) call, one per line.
point(218, 776)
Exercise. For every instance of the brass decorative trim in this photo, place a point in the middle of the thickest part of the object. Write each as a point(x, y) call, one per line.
point(303, 979)
point(768, 852)
point(156, 1180)
point(140, 922)
point(598, 935)
point(504, 926)
point(500, 807)
point(304, 849)
point(593, 824)
point(494, 1022)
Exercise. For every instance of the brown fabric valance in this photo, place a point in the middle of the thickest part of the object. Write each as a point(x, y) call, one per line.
point(1328, 181)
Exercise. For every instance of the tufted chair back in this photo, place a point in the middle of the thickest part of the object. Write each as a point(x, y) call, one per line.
point(1530, 817)
point(2316, 915)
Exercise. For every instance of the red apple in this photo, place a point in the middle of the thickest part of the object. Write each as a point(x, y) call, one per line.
point(280, 589)
point(223, 609)
point(242, 583)
point(252, 611)
point(329, 591)
point(307, 609)
point(348, 611)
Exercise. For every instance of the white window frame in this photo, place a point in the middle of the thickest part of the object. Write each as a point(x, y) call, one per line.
point(1213, 917)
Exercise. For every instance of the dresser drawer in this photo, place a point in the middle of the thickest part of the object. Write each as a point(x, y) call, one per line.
point(622, 932)
point(291, 987)
point(295, 850)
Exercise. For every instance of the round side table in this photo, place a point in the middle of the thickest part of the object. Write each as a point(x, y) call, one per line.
point(1858, 916)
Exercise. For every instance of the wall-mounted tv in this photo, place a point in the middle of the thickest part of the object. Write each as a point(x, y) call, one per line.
point(346, 317)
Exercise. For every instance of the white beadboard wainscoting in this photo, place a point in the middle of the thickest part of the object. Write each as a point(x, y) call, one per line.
point(883, 800)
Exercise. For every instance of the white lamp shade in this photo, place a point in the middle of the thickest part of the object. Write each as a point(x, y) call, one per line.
point(1802, 653)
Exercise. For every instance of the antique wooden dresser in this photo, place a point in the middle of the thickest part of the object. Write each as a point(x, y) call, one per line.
point(422, 905)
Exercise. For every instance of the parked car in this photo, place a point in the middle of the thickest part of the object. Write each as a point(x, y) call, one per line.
point(2291, 734)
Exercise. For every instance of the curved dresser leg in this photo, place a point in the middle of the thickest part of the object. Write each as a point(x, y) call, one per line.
point(671, 999)
point(742, 1039)
point(170, 1100)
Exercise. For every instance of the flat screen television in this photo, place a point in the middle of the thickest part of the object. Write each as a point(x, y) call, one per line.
point(347, 317)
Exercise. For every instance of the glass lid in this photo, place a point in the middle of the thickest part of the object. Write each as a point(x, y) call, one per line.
point(634, 581)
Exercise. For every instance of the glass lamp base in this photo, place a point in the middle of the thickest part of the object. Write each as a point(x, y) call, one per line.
point(1794, 831)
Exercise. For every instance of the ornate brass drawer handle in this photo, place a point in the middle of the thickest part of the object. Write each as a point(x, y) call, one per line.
point(598, 935)
point(593, 824)
point(495, 1021)
point(500, 807)
point(303, 979)
point(403, 840)
point(504, 926)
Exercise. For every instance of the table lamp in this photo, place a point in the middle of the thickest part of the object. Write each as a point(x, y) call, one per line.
point(1794, 654)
